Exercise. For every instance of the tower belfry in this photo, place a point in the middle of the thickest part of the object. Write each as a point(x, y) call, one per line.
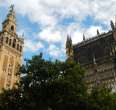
point(11, 49)
point(10, 23)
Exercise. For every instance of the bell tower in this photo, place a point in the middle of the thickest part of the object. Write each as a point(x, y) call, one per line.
point(11, 50)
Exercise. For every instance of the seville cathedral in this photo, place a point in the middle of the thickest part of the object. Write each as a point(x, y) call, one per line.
point(97, 56)
point(11, 46)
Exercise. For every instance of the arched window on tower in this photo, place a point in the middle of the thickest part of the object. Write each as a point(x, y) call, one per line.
point(17, 46)
point(14, 43)
point(10, 41)
point(12, 28)
point(7, 39)
point(20, 48)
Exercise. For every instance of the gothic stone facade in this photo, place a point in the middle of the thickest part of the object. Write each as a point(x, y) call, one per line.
point(97, 55)
point(11, 46)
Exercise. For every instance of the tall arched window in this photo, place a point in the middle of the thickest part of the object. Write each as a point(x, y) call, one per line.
point(10, 41)
point(17, 46)
point(14, 43)
point(12, 28)
point(20, 48)
point(7, 40)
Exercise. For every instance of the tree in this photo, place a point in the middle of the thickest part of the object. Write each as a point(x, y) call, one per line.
point(101, 98)
point(11, 100)
point(53, 84)
point(57, 86)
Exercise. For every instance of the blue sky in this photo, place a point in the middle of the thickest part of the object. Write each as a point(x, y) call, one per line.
point(46, 23)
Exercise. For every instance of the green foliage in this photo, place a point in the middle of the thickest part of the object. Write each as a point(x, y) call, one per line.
point(101, 98)
point(55, 85)
point(11, 100)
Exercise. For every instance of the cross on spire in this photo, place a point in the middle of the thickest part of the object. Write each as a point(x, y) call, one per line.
point(12, 8)
point(11, 12)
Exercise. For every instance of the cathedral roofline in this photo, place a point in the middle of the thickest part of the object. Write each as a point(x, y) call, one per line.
point(92, 39)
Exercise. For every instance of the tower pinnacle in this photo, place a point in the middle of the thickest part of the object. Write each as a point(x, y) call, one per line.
point(115, 21)
point(11, 13)
point(69, 48)
point(83, 37)
point(10, 23)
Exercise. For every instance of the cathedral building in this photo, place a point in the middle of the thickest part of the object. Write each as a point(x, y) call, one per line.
point(11, 48)
point(96, 55)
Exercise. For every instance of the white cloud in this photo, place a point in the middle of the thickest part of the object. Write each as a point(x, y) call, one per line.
point(92, 31)
point(48, 13)
point(103, 10)
point(50, 35)
point(32, 46)
point(56, 52)
point(2, 2)
point(77, 37)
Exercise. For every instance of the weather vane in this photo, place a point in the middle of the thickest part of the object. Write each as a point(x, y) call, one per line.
point(12, 7)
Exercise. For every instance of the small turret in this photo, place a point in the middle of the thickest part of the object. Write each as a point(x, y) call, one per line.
point(98, 33)
point(83, 37)
point(69, 48)
point(115, 22)
point(112, 25)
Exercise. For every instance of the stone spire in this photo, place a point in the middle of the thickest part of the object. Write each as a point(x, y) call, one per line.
point(69, 48)
point(83, 37)
point(98, 33)
point(112, 25)
point(67, 41)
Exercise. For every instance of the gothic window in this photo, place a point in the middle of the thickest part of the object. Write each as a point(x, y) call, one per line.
point(14, 43)
point(12, 28)
point(17, 46)
point(10, 41)
point(5, 63)
point(7, 40)
point(1, 39)
point(20, 48)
